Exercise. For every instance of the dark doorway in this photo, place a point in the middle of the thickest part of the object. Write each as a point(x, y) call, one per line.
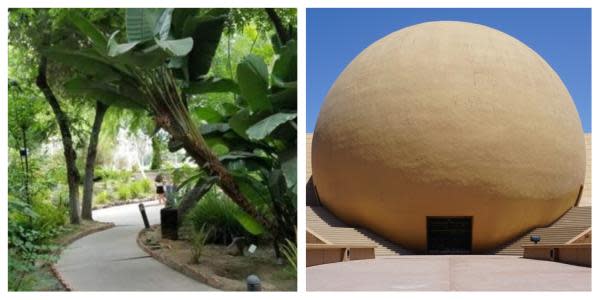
point(449, 235)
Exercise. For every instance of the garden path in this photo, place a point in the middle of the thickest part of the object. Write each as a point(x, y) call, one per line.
point(111, 260)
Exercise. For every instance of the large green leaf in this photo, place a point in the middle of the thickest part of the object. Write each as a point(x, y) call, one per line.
point(252, 77)
point(277, 185)
point(99, 91)
point(249, 223)
point(217, 145)
point(207, 114)
point(241, 121)
point(206, 31)
point(212, 85)
point(162, 27)
point(253, 189)
point(237, 155)
point(286, 99)
point(289, 167)
point(116, 49)
point(179, 47)
point(264, 127)
point(141, 23)
point(284, 69)
point(89, 30)
point(143, 54)
point(206, 129)
point(84, 61)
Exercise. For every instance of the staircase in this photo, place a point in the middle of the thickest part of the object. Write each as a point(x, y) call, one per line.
point(335, 231)
point(572, 223)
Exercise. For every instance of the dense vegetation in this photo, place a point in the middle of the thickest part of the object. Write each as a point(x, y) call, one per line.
point(205, 96)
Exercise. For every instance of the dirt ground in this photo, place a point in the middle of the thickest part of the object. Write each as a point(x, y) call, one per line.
point(227, 271)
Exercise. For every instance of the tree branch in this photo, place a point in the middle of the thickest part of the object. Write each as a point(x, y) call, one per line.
point(282, 33)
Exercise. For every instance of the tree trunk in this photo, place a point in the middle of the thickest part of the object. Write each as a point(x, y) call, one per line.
point(282, 33)
point(73, 177)
point(90, 163)
point(156, 158)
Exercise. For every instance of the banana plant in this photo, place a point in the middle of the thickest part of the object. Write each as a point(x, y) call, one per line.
point(164, 50)
point(258, 133)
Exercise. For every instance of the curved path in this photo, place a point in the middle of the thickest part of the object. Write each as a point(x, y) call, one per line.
point(448, 273)
point(111, 260)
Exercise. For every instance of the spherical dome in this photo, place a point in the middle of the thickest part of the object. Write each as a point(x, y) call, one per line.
point(448, 119)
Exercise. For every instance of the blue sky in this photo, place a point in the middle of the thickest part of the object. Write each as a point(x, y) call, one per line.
point(561, 36)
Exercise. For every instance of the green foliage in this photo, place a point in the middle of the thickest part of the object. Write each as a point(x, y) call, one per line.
point(266, 126)
point(215, 211)
point(141, 23)
point(249, 223)
point(124, 192)
point(134, 190)
point(252, 77)
point(181, 174)
point(29, 242)
point(102, 198)
point(49, 216)
point(146, 185)
point(113, 174)
point(198, 240)
point(156, 153)
point(290, 251)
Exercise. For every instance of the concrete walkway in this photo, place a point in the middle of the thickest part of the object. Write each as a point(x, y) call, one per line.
point(111, 260)
point(448, 273)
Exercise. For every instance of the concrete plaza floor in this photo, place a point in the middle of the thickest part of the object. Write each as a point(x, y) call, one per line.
point(448, 273)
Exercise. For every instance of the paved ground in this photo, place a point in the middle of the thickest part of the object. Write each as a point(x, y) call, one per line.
point(111, 260)
point(448, 273)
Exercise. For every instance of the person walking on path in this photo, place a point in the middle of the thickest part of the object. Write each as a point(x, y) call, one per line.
point(160, 189)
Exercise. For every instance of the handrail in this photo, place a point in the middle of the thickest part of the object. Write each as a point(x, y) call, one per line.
point(318, 236)
point(579, 235)
point(582, 245)
point(339, 246)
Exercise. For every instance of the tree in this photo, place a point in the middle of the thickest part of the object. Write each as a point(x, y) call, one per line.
point(39, 29)
point(73, 176)
point(90, 162)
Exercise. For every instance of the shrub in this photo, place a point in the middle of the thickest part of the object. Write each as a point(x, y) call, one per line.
point(110, 174)
point(290, 252)
point(198, 241)
point(146, 184)
point(136, 190)
point(141, 188)
point(216, 212)
point(49, 216)
point(102, 198)
point(123, 192)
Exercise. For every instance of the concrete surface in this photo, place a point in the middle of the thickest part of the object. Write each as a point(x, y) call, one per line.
point(449, 273)
point(111, 260)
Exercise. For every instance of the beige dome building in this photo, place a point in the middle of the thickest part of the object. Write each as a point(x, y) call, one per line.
point(448, 136)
